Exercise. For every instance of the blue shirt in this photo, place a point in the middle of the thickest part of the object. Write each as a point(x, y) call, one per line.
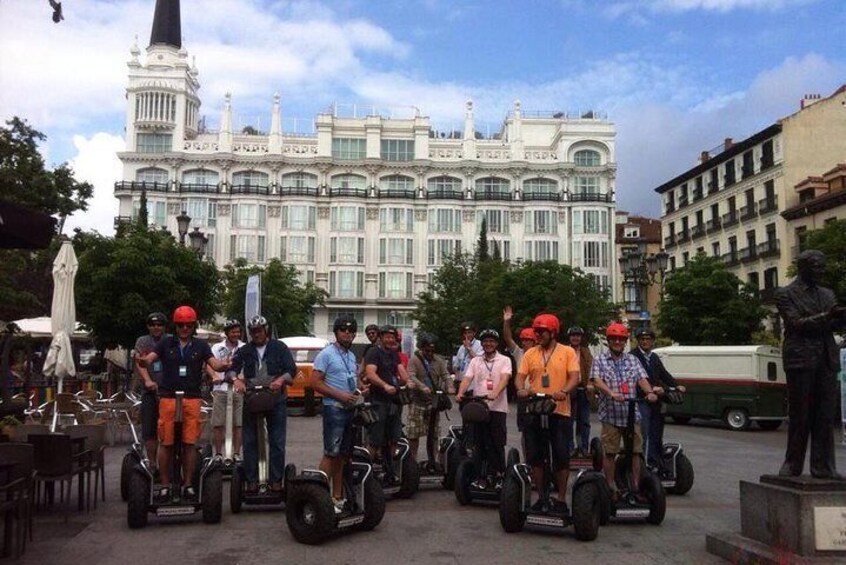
point(339, 370)
point(182, 367)
point(620, 375)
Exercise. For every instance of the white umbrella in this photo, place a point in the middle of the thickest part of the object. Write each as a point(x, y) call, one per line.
point(59, 361)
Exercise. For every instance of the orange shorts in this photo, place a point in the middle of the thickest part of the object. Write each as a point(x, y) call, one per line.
point(190, 420)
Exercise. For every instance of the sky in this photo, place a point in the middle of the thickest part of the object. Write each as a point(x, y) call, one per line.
point(676, 77)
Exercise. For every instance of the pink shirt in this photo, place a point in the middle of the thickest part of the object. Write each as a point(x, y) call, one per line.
point(481, 370)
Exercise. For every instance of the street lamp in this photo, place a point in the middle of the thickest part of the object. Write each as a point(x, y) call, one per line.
point(640, 271)
point(183, 220)
point(198, 240)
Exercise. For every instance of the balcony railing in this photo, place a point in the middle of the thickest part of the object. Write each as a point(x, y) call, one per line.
point(767, 205)
point(769, 248)
point(748, 212)
point(697, 231)
point(249, 189)
point(398, 193)
point(730, 258)
point(347, 191)
point(767, 161)
point(683, 236)
point(122, 220)
point(748, 254)
point(713, 188)
point(490, 195)
point(298, 190)
point(138, 186)
point(444, 195)
point(634, 306)
point(713, 225)
point(546, 196)
point(590, 197)
point(671, 207)
point(199, 188)
point(747, 171)
point(729, 219)
point(682, 202)
point(670, 241)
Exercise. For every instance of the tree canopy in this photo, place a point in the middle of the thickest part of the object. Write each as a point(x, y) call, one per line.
point(285, 302)
point(831, 240)
point(705, 304)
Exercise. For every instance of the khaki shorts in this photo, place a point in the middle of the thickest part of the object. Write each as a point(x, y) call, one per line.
point(612, 439)
point(218, 418)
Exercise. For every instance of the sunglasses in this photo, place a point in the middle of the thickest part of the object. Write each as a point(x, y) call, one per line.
point(155, 325)
point(182, 325)
point(616, 338)
point(539, 331)
point(346, 330)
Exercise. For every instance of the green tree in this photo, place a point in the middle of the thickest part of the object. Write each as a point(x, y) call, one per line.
point(705, 304)
point(122, 279)
point(482, 253)
point(831, 240)
point(285, 302)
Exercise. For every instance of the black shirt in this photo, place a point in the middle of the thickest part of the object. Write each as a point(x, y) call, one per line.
point(386, 362)
point(173, 357)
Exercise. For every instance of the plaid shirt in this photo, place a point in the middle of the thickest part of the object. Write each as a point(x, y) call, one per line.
point(620, 375)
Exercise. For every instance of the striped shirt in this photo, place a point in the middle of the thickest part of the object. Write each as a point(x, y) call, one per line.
point(620, 375)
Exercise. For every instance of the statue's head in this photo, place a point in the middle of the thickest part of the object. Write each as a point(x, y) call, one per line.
point(811, 265)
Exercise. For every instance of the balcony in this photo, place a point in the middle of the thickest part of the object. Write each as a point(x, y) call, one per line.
point(767, 161)
point(769, 249)
point(697, 231)
point(730, 219)
point(122, 220)
point(189, 187)
point(748, 212)
point(348, 191)
point(398, 193)
point(683, 236)
point(767, 205)
point(731, 258)
point(747, 171)
point(590, 197)
point(250, 189)
point(670, 241)
point(671, 207)
point(682, 202)
point(729, 180)
point(748, 254)
point(298, 191)
point(444, 195)
point(697, 194)
point(634, 306)
point(138, 186)
point(768, 295)
point(713, 225)
point(713, 188)
point(491, 195)
point(542, 196)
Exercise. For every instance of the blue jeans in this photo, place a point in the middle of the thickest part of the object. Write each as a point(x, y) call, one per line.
point(580, 409)
point(276, 421)
point(652, 428)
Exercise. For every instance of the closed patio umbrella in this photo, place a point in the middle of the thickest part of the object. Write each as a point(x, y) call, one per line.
point(59, 362)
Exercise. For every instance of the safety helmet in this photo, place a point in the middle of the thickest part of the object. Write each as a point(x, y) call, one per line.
point(257, 322)
point(345, 322)
point(231, 323)
point(575, 330)
point(616, 329)
point(158, 317)
point(425, 339)
point(527, 333)
point(546, 322)
point(645, 332)
point(371, 327)
point(467, 326)
point(388, 329)
point(184, 314)
point(489, 334)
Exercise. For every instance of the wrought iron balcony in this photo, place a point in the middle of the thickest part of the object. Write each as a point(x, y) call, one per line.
point(543, 196)
point(398, 193)
point(767, 205)
point(185, 187)
point(491, 195)
point(730, 219)
point(769, 248)
point(298, 191)
point(249, 189)
point(748, 254)
point(138, 186)
point(697, 231)
point(444, 195)
point(590, 197)
point(730, 258)
point(713, 225)
point(748, 212)
point(347, 191)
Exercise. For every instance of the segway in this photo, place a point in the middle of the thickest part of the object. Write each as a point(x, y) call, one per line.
point(208, 482)
point(674, 467)
point(651, 506)
point(473, 481)
point(515, 505)
point(228, 463)
point(310, 512)
point(135, 455)
point(264, 496)
point(441, 472)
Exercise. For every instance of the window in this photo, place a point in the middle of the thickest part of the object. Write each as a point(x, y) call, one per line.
point(401, 320)
point(349, 148)
point(767, 154)
point(346, 284)
point(297, 249)
point(440, 249)
point(347, 218)
point(203, 212)
point(541, 250)
point(685, 257)
point(156, 212)
point(586, 185)
point(541, 221)
point(200, 177)
point(750, 240)
point(770, 230)
point(346, 250)
point(540, 186)
point(153, 142)
point(249, 247)
point(772, 371)
point(586, 158)
point(753, 280)
point(595, 254)
point(152, 175)
point(396, 251)
point(492, 186)
point(497, 221)
point(250, 179)
point(349, 181)
point(771, 277)
point(445, 220)
point(444, 184)
point(396, 183)
point(631, 232)
point(715, 249)
point(396, 219)
point(747, 168)
point(590, 222)
point(358, 315)
point(300, 217)
point(249, 216)
point(396, 285)
point(398, 149)
point(729, 172)
point(299, 180)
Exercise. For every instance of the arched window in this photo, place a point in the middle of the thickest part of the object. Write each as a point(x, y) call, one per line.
point(539, 186)
point(200, 177)
point(493, 188)
point(587, 158)
point(152, 175)
point(299, 180)
point(396, 184)
point(250, 179)
point(349, 181)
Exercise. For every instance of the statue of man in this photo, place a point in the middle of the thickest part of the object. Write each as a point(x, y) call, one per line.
point(811, 361)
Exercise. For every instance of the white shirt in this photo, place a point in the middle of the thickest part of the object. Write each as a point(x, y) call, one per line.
point(221, 351)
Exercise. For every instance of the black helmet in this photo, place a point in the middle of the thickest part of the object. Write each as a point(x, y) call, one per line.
point(489, 334)
point(575, 330)
point(257, 322)
point(424, 339)
point(157, 317)
point(229, 324)
point(644, 332)
point(371, 327)
point(345, 321)
point(468, 326)
point(388, 329)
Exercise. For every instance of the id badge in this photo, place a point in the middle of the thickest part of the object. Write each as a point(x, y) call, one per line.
point(183, 371)
point(490, 384)
point(157, 366)
point(624, 388)
point(545, 380)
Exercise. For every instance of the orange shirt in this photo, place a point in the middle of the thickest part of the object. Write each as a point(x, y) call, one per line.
point(557, 365)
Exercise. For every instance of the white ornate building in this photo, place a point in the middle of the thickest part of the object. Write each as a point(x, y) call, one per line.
point(366, 207)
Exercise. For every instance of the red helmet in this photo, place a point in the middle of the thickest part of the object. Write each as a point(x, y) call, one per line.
point(527, 333)
point(184, 314)
point(616, 329)
point(546, 322)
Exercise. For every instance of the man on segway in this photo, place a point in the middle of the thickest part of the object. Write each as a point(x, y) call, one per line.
point(334, 377)
point(429, 373)
point(267, 363)
point(182, 357)
point(220, 390)
point(617, 375)
point(149, 380)
point(550, 368)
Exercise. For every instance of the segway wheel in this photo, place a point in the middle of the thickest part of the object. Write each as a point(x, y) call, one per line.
point(453, 459)
point(374, 504)
point(464, 475)
point(597, 454)
point(651, 486)
point(513, 458)
point(138, 497)
point(623, 472)
point(236, 490)
point(684, 475)
point(604, 502)
point(310, 513)
point(410, 478)
point(212, 497)
point(586, 511)
point(511, 514)
point(126, 466)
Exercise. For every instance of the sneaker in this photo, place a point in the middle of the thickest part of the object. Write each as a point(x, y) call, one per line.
point(558, 507)
point(640, 497)
point(498, 483)
point(252, 488)
point(162, 496)
point(188, 493)
point(340, 505)
point(538, 506)
point(277, 487)
point(480, 484)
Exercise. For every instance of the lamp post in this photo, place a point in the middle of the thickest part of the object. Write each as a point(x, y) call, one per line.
point(183, 220)
point(198, 241)
point(644, 270)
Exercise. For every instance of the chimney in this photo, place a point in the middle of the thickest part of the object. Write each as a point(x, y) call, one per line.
point(808, 100)
point(704, 156)
point(727, 144)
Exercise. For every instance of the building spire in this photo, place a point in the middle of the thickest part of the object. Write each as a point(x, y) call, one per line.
point(167, 28)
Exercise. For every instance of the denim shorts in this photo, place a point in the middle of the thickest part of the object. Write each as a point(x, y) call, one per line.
point(337, 431)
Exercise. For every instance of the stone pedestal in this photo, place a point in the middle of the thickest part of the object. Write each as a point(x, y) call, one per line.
point(787, 520)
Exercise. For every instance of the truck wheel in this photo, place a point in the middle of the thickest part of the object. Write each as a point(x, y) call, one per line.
point(512, 458)
point(511, 514)
point(651, 486)
point(236, 490)
point(212, 497)
point(597, 454)
point(138, 497)
point(586, 512)
point(769, 425)
point(310, 513)
point(453, 459)
point(410, 477)
point(464, 475)
point(737, 419)
point(126, 466)
point(374, 504)
point(684, 475)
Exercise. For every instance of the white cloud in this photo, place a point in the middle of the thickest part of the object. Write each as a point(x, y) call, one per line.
point(96, 162)
point(633, 10)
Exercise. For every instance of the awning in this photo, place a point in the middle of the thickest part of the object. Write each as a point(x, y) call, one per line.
point(24, 228)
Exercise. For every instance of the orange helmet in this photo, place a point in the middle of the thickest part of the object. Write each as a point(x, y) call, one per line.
point(616, 329)
point(546, 322)
point(527, 333)
point(184, 314)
